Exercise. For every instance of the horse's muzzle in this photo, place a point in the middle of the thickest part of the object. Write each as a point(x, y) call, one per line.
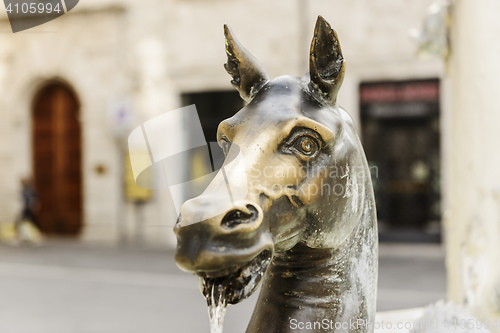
point(220, 245)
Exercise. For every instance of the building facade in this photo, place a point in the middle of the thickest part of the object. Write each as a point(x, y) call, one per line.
point(107, 66)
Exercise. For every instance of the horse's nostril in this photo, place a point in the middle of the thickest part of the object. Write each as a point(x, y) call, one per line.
point(237, 217)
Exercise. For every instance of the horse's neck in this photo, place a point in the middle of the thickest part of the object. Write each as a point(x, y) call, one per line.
point(332, 289)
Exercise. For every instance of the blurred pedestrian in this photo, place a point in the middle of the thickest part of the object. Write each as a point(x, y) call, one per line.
point(27, 227)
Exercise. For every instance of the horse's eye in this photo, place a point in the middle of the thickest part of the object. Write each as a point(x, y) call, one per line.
point(225, 144)
point(306, 145)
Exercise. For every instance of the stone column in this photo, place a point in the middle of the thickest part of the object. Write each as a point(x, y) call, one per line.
point(472, 217)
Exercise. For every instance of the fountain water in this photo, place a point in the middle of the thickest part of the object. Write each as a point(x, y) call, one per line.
point(215, 294)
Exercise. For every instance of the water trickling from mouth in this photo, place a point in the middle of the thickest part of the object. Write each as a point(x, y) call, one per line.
point(232, 288)
point(215, 294)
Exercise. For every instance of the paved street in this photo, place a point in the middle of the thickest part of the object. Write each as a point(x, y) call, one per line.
point(65, 287)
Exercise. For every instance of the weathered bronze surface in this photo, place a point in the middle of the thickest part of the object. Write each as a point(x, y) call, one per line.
point(309, 218)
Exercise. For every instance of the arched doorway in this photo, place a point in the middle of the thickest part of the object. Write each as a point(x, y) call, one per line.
point(56, 142)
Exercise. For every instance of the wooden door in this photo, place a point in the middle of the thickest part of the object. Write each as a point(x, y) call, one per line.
point(57, 159)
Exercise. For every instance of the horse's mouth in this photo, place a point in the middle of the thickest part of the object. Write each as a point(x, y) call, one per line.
point(234, 287)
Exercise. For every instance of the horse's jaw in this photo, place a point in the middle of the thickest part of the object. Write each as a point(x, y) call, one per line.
point(240, 283)
point(334, 289)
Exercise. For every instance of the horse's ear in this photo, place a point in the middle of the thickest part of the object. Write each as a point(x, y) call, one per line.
point(326, 62)
point(247, 72)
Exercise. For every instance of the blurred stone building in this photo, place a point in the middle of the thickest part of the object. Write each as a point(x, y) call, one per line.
point(72, 90)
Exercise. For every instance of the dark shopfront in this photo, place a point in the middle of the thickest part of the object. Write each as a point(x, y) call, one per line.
point(400, 122)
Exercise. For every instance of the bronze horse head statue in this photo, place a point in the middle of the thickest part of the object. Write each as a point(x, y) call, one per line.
point(307, 225)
